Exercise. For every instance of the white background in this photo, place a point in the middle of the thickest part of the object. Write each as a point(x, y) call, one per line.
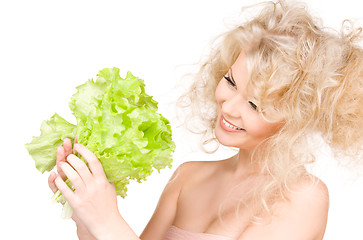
point(47, 48)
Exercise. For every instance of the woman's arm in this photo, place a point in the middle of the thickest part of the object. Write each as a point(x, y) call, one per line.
point(166, 209)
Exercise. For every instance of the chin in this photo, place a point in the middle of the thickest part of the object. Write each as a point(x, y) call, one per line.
point(225, 139)
point(232, 140)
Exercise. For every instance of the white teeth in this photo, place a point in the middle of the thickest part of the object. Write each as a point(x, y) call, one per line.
point(230, 126)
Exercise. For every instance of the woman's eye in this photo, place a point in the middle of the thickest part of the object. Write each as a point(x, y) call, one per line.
point(230, 82)
point(254, 106)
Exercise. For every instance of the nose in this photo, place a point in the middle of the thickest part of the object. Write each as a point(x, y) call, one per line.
point(231, 106)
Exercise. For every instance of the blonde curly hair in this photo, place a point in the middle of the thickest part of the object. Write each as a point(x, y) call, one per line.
point(301, 73)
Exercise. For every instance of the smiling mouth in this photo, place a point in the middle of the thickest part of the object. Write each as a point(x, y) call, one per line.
point(228, 126)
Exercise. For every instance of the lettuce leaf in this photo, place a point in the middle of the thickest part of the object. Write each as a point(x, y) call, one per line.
point(118, 122)
point(43, 149)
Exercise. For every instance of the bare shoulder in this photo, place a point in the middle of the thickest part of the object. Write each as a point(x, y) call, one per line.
point(192, 171)
point(193, 165)
point(309, 202)
point(309, 199)
point(311, 191)
point(302, 217)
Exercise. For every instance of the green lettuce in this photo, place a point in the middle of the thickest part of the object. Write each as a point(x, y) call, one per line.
point(118, 122)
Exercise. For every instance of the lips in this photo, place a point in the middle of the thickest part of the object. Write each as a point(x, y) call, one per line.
point(229, 126)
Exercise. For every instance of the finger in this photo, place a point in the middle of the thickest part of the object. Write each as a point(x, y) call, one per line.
point(67, 144)
point(73, 176)
point(64, 189)
point(60, 158)
point(93, 162)
point(75, 141)
point(80, 167)
point(51, 178)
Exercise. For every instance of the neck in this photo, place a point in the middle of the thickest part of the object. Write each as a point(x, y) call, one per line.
point(243, 164)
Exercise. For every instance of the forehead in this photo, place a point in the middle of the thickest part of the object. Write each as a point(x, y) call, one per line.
point(239, 71)
point(239, 68)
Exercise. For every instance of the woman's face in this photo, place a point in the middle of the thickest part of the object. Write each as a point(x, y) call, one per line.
point(239, 124)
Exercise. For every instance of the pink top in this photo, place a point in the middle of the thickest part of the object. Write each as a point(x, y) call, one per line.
point(175, 233)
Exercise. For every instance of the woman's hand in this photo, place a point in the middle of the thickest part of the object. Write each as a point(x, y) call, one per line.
point(94, 199)
point(62, 153)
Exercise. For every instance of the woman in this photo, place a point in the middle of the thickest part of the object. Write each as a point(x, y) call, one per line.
point(271, 85)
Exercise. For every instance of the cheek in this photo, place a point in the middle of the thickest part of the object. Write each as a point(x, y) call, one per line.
point(261, 129)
